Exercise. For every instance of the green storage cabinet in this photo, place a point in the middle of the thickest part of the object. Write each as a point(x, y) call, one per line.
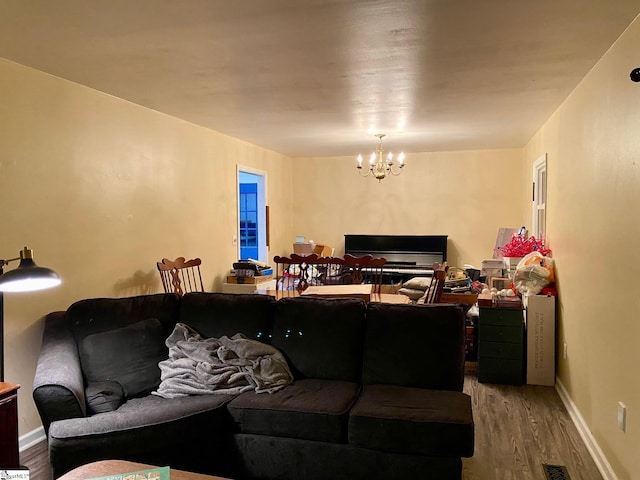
point(501, 355)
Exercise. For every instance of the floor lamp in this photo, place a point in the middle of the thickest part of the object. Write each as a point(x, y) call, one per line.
point(27, 277)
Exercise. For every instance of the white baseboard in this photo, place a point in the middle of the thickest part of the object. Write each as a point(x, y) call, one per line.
point(583, 429)
point(30, 439)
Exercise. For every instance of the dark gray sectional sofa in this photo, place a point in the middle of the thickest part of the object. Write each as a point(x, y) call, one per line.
point(377, 391)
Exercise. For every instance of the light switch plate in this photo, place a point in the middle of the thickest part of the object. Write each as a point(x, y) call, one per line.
point(622, 416)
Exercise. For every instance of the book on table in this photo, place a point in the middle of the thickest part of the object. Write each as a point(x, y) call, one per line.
point(156, 473)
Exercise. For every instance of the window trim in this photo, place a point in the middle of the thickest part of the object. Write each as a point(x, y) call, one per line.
point(539, 197)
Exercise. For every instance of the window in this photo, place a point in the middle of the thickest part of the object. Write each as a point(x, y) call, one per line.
point(539, 198)
point(248, 221)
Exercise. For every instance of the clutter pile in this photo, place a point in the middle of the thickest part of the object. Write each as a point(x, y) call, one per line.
point(249, 271)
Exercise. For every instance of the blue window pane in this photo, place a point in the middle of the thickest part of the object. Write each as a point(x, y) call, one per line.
point(252, 202)
point(248, 213)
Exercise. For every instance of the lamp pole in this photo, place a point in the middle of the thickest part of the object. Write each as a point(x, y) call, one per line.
point(26, 278)
point(2, 264)
point(1, 334)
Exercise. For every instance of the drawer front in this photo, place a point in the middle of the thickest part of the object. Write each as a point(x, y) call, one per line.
point(501, 350)
point(492, 333)
point(501, 316)
point(503, 371)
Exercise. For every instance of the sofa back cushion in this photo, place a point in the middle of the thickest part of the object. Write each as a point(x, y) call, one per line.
point(420, 346)
point(122, 339)
point(219, 314)
point(128, 356)
point(321, 338)
point(96, 315)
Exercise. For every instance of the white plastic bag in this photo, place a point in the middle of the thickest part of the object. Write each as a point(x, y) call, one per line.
point(533, 273)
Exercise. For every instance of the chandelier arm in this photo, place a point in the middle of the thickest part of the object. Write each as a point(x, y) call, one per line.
point(395, 174)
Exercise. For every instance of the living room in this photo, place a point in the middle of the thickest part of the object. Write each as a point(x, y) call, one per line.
point(101, 188)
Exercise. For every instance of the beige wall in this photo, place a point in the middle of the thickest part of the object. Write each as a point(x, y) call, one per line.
point(466, 195)
point(593, 147)
point(101, 189)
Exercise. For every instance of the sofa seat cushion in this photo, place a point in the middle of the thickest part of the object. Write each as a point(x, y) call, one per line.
point(309, 409)
point(180, 432)
point(413, 421)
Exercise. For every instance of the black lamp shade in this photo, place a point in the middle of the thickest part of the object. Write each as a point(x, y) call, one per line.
point(28, 276)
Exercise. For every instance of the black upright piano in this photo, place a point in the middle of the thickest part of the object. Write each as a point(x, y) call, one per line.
point(407, 255)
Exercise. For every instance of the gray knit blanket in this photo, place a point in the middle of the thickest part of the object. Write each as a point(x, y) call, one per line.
point(198, 365)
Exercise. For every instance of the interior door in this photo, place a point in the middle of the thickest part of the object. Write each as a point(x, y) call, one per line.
point(252, 221)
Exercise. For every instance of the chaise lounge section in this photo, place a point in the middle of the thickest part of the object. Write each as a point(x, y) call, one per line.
point(377, 389)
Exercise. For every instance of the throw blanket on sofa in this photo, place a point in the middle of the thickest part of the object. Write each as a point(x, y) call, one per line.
point(233, 365)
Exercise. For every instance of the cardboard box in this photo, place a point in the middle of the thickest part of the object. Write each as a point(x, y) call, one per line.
point(499, 282)
point(248, 287)
point(488, 300)
point(491, 272)
point(309, 248)
point(541, 339)
point(241, 280)
point(361, 291)
point(303, 248)
point(470, 368)
point(493, 263)
point(323, 251)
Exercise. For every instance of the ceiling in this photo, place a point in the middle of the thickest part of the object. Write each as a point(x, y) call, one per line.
point(319, 78)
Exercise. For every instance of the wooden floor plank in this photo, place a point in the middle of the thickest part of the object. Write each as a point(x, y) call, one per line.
point(517, 430)
point(36, 458)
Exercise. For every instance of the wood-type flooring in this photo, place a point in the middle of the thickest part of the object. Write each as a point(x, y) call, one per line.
point(517, 429)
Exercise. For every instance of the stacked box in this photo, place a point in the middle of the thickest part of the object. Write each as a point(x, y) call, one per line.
point(492, 268)
point(541, 339)
point(239, 279)
point(510, 264)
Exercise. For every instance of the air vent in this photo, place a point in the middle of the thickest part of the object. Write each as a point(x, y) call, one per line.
point(555, 472)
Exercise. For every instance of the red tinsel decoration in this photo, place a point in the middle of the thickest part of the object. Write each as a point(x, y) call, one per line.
point(519, 246)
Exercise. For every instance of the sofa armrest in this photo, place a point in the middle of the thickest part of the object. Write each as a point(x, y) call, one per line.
point(58, 386)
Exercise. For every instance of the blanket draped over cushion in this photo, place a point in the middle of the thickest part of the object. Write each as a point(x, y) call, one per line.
point(223, 365)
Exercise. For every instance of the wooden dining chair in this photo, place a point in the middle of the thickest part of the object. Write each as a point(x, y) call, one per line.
point(373, 273)
point(181, 276)
point(296, 272)
point(364, 269)
point(434, 292)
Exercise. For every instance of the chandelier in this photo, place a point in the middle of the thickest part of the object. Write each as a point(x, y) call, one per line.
point(380, 167)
